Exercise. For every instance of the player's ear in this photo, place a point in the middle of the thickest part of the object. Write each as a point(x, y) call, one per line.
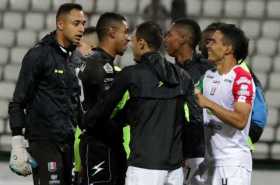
point(112, 32)
point(229, 49)
point(142, 43)
point(60, 24)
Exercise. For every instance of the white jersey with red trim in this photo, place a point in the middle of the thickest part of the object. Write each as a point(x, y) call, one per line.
point(226, 145)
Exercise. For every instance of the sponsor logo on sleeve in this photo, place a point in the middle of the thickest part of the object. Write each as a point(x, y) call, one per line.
point(243, 79)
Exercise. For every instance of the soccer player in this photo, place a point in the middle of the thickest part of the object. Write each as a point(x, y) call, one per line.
point(180, 42)
point(102, 153)
point(45, 103)
point(259, 113)
point(83, 50)
point(226, 95)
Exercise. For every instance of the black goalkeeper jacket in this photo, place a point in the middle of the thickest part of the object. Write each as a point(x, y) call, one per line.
point(46, 97)
point(155, 110)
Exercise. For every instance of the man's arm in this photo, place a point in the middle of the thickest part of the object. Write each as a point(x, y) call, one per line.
point(20, 160)
point(24, 90)
point(236, 118)
point(104, 107)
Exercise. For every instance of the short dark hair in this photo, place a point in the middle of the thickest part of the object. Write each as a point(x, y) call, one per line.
point(191, 26)
point(237, 38)
point(66, 8)
point(151, 33)
point(105, 21)
point(213, 26)
point(90, 30)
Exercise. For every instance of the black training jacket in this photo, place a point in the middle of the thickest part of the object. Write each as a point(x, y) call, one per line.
point(46, 97)
point(97, 75)
point(154, 111)
point(194, 145)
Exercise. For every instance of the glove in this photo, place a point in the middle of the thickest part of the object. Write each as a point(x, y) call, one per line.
point(21, 162)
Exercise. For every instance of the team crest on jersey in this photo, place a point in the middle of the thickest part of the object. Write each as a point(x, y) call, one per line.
point(108, 68)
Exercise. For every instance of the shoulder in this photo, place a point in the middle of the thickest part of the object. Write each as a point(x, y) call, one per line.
point(36, 54)
point(239, 71)
point(129, 70)
point(210, 73)
point(37, 50)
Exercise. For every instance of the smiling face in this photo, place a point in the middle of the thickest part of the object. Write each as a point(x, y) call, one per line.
point(72, 26)
point(216, 47)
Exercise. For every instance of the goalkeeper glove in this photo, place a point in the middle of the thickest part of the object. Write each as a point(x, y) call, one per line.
point(21, 162)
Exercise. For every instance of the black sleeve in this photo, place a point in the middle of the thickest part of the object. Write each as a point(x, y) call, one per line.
point(104, 107)
point(25, 87)
point(195, 112)
point(194, 129)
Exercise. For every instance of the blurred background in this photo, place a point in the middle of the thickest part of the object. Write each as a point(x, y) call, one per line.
point(23, 22)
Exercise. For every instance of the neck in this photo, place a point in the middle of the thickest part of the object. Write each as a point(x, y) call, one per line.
point(184, 54)
point(226, 64)
point(143, 52)
point(108, 47)
point(61, 40)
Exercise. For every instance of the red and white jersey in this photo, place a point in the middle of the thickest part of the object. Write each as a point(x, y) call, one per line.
point(226, 145)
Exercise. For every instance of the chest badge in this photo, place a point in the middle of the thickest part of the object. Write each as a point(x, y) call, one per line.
point(108, 68)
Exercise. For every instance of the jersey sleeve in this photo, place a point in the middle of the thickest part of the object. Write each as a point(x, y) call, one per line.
point(243, 87)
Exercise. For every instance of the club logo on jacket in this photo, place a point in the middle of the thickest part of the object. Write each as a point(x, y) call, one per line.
point(108, 68)
point(97, 168)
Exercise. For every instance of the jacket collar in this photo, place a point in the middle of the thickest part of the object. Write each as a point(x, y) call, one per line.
point(104, 53)
point(50, 40)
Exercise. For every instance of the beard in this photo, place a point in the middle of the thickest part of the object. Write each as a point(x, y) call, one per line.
point(121, 51)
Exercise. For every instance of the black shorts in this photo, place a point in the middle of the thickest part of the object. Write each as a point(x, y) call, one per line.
point(54, 163)
point(101, 164)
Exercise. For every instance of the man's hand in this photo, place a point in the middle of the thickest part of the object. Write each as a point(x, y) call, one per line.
point(201, 100)
point(21, 162)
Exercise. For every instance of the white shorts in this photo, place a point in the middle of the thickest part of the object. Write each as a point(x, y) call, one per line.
point(228, 175)
point(190, 168)
point(143, 176)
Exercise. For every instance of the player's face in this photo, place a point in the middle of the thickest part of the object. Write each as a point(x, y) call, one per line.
point(216, 47)
point(136, 47)
point(122, 38)
point(73, 26)
point(172, 41)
